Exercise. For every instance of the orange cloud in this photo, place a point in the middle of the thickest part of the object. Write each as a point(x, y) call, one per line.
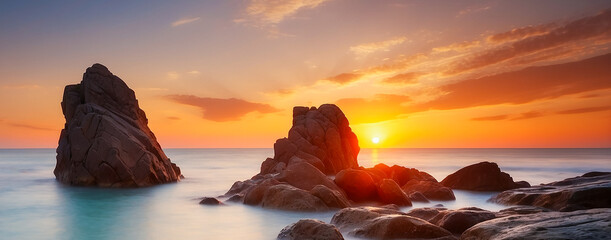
point(381, 107)
point(222, 110)
point(585, 110)
point(526, 85)
point(457, 47)
point(520, 33)
point(365, 49)
point(403, 78)
point(33, 127)
point(490, 118)
point(598, 26)
point(345, 78)
point(529, 115)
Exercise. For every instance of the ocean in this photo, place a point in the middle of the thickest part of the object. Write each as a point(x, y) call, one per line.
point(34, 206)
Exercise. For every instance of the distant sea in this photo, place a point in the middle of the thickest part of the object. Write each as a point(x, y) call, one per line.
point(34, 206)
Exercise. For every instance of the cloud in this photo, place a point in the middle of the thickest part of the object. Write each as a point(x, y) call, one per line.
point(194, 72)
point(381, 107)
point(365, 49)
point(222, 110)
point(585, 110)
point(598, 26)
point(457, 47)
point(403, 78)
point(172, 75)
point(521, 33)
point(529, 115)
point(32, 127)
point(173, 118)
point(490, 118)
point(344, 78)
point(184, 21)
point(526, 85)
point(267, 14)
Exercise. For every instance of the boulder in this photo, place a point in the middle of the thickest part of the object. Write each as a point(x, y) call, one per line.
point(430, 189)
point(582, 224)
point(384, 223)
point(305, 176)
point(483, 176)
point(455, 221)
point(287, 197)
point(592, 190)
point(319, 135)
point(332, 198)
point(401, 175)
point(210, 201)
point(310, 229)
point(358, 184)
point(106, 141)
point(390, 193)
point(254, 195)
point(418, 197)
point(520, 210)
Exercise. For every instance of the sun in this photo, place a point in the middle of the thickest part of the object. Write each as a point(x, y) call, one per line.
point(375, 140)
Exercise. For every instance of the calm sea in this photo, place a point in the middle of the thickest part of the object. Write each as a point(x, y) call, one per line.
point(34, 206)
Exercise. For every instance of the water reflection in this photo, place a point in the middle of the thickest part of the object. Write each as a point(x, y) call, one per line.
point(374, 157)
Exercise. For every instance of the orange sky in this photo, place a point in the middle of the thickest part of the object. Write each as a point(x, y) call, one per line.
point(412, 73)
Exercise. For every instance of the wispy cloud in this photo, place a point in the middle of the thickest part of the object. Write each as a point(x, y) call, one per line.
point(403, 78)
point(32, 127)
point(184, 21)
point(490, 118)
point(365, 49)
point(194, 72)
point(172, 75)
point(585, 110)
point(267, 14)
point(344, 78)
point(221, 109)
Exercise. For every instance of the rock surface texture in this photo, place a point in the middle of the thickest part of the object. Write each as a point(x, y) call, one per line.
point(106, 141)
point(310, 229)
point(320, 136)
point(591, 190)
point(584, 224)
point(483, 176)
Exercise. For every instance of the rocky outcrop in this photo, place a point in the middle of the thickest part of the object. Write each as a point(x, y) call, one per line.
point(383, 223)
point(358, 184)
point(592, 190)
point(287, 197)
point(310, 229)
point(583, 224)
point(390, 193)
point(483, 176)
point(106, 141)
point(320, 136)
point(455, 221)
point(432, 190)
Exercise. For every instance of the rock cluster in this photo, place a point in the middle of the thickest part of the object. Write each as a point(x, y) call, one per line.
point(320, 142)
point(106, 141)
point(310, 229)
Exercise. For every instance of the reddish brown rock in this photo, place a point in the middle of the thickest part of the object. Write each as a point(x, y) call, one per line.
point(310, 229)
point(254, 195)
point(287, 197)
point(455, 221)
point(592, 190)
point(319, 135)
point(483, 176)
point(390, 193)
point(431, 190)
point(106, 141)
point(358, 184)
point(332, 198)
point(305, 176)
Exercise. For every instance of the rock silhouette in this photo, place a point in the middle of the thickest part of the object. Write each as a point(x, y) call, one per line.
point(106, 141)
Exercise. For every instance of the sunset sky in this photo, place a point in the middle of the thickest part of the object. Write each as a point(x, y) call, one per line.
point(411, 73)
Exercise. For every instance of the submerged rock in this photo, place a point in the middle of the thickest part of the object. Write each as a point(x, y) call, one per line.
point(210, 201)
point(106, 141)
point(483, 176)
point(310, 229)
point(583, 224)
point(455, 221)
point(592, 190)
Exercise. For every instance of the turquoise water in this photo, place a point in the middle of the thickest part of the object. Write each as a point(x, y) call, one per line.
point(34, 206)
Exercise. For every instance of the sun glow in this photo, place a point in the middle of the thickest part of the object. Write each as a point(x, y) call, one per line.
point(375, 140)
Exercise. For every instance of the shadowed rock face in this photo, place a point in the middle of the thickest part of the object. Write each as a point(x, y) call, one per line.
point(310, 229)
point(106, 141)
point(483, 176)
point(584, 224)
point(322, 137)
point(592, 190)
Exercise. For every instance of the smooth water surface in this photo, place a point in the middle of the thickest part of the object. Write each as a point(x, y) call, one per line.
point(34, 206)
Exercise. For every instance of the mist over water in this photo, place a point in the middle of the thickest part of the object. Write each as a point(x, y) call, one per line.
point(34, 206)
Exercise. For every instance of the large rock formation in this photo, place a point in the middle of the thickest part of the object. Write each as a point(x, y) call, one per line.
point(106, 141)
point(321, 137)
point(483, 176)
point(584, 224)
point(591, 190)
